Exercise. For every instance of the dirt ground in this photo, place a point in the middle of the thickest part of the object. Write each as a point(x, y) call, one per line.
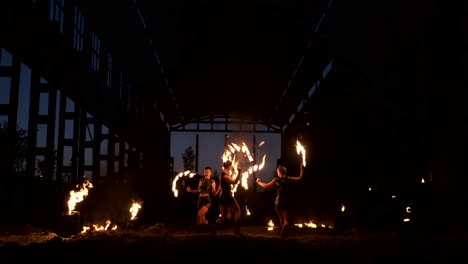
point(163, 242)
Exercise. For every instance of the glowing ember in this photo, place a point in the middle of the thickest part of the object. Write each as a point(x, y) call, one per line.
point(301, 151)
point(261, 143)
point(78, 196)
point(177, 177)
point(270, 225)
point(134, 210)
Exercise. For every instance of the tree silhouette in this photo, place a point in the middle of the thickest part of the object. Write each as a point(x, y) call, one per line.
point(188, 157)
point(21, 154)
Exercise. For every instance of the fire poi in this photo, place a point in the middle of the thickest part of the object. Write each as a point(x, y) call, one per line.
point(230, 153)
point(177, 177)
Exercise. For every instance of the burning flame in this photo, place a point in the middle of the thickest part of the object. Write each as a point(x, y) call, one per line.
point(230, 154)
point(270, 225)
point(76, 197)
point(177, 177)
point(99, 228)
point(311, 224)
point(104, 228)
point(301, 151)
point(134, 210)
point(342, 208)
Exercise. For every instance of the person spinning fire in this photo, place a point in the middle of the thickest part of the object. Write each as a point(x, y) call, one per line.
point(227, 201)
point(206, 190)
point(283, 200)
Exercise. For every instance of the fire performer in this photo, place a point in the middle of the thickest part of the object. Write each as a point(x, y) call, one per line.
point(283, 200)
point(206, 189)
point(227, 202)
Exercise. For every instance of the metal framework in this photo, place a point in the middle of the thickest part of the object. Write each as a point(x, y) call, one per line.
point(224, 123)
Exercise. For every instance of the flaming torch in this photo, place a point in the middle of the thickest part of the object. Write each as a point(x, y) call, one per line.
point(301, 151)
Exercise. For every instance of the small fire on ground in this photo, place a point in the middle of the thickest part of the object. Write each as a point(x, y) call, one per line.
point(79, 195)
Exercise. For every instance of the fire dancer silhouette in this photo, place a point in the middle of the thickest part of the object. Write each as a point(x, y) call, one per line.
point(206, 190)
point(283, 200)
point(227, 202)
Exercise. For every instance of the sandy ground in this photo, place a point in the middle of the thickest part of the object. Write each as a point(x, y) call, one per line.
point(160, 242)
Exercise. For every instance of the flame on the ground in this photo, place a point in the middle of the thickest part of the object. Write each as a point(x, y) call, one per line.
point(271, 225)
point(100, 227)
point(134, 210)
point(78, 196)
point(177, 177)
point(104, 228)
point(247, 211)
point(301, 151)
point(311, 224)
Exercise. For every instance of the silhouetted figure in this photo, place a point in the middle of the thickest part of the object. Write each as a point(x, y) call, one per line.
point(206, 190)
point(227, 202)
point(283, 201)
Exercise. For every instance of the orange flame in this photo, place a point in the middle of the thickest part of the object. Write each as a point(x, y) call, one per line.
point(230, 154)
point(177, 177)
point(104, 228)
point(99, 228)
point(311, 224)
point(76, 197)
point(271, 225)
point(301, 151)
point(134, 210)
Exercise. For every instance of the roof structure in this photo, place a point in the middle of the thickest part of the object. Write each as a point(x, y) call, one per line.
point(229, 58)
